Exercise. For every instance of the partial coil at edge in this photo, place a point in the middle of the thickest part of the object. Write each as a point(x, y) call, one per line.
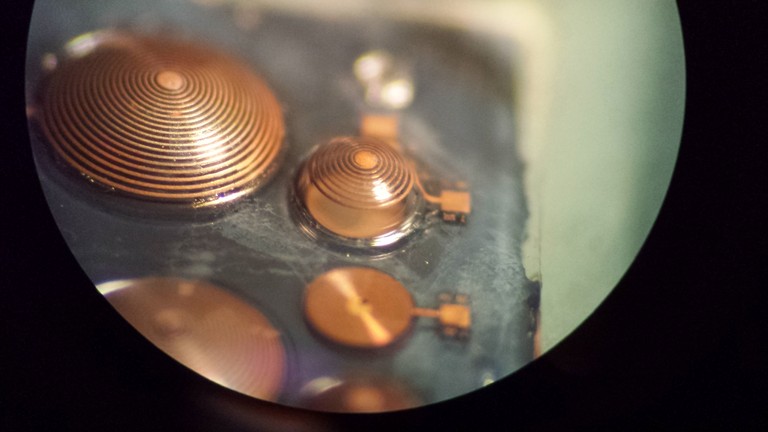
point(205, 328)
point(357, 188)
point(162, 120)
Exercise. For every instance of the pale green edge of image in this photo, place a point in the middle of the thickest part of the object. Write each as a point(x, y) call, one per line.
point(610, 148)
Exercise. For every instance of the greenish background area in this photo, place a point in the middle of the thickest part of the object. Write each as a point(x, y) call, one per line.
point(611, 143)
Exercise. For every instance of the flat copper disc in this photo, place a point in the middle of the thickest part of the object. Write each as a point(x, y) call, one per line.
point(206, 329)
point(161, 120)
point(358, 306)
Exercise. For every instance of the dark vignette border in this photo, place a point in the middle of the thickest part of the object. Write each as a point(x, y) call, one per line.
point(677, 344)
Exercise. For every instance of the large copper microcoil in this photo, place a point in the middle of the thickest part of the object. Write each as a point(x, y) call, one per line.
point(205, 328)
point(162, 120)
point(357, 187)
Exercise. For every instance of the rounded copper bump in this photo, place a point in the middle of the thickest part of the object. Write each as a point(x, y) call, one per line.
point(358, 306)
point(206, 329)
point(357, 187)
point(360, 395)
point(162, 120)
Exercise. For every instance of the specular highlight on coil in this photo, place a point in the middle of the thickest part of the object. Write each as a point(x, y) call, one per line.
point(358, 188)
point(162, 120)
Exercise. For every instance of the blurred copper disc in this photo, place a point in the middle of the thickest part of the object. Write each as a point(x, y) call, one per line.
point(357, 187)
point(162, 120)
point(358, 395)
point(206, 329)
point(358, 306)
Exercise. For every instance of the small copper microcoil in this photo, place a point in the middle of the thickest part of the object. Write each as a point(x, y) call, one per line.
point(367, 308)
point(357, 187)
point(162, 120)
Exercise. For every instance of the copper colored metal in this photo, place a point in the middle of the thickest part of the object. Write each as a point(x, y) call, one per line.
point(162, 120)
point(384, 127)
point(205, 328)
point(366, 308)
point(453, 314)
point(358, 188)
point(363, 395)
point(358, 306)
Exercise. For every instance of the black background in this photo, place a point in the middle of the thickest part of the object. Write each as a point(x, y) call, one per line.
point(678, 344)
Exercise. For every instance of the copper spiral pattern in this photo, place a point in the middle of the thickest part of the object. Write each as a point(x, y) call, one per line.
point(205, 328)
point(163, 120)
point(360, 172)
point(357, 187)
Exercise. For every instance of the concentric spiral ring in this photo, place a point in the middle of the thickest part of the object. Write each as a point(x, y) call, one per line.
point(163, 120)
point(358, 188)
point(360, 172)
point(207, 329)
point(358, 306)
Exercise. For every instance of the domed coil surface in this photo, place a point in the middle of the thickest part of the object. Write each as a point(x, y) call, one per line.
point(357, 187)
point(162, 120)
point(360, 172)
